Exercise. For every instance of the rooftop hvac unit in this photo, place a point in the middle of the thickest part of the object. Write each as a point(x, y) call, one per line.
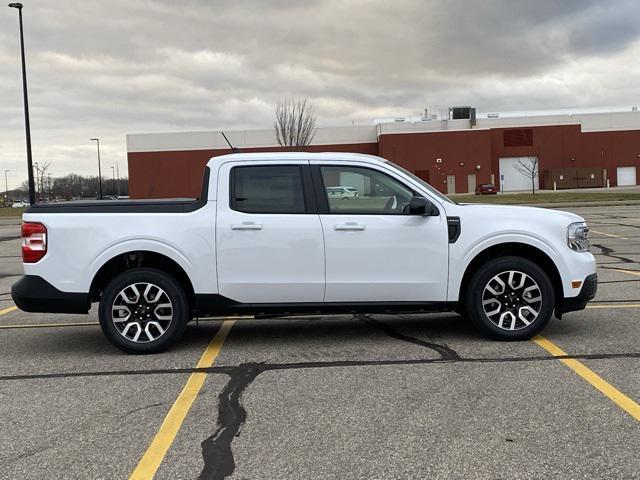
point(463, 113)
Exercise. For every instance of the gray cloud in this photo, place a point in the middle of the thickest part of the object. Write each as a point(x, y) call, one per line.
point(109, 68)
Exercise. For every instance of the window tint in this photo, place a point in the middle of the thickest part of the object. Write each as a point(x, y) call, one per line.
point(355, 190)
point(267, 189)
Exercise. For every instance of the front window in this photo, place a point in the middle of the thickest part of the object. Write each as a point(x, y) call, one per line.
point(428, 187)
point(364, 191)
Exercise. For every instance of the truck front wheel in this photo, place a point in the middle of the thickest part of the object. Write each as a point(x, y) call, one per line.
point(510, 298)
point(143, 311)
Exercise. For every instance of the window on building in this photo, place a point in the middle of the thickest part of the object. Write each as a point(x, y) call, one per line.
point(267, 189)
point(518, 137)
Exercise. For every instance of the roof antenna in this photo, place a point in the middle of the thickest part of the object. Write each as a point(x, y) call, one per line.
point(233, 149)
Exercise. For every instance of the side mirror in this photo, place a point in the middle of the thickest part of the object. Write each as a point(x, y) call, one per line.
point(422, 206)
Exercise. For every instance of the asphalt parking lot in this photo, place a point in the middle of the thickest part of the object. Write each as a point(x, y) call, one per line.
point(372, 397)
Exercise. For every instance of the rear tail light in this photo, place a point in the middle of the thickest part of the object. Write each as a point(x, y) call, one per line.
point(34, 241)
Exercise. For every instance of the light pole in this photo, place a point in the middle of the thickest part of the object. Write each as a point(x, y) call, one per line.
point(32, 192)
point(6, 187)
point(113, 175)
point(97, 140)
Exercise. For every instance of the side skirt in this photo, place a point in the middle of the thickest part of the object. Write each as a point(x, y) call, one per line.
point(216, 305)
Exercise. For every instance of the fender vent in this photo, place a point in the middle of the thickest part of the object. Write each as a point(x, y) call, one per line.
point(454, 228)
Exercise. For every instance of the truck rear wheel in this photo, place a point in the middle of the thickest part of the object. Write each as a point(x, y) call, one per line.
point(143, 311)
point(510, 298)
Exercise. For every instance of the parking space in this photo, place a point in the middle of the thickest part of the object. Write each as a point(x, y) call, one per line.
point(410, 396)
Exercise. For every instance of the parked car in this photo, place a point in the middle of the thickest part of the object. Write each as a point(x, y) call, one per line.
point(20, 204)
point(264, 239)
point(486, 189)
point(343, 193)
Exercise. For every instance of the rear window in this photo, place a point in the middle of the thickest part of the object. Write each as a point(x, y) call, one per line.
point(267, 189)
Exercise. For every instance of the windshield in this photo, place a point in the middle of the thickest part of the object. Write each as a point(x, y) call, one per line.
point(432, 190)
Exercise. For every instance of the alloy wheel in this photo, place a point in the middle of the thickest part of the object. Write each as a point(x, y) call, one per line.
point(142, 312)
point(512, 300)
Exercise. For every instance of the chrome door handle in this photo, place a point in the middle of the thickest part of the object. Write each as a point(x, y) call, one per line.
point(246, 226)
point(349, 226)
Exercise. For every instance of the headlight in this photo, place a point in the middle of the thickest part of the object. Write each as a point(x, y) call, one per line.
point(578, 236)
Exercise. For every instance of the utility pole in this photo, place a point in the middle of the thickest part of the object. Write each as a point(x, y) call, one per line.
point(32, 193)
point(97, 140)
point(113, 176)
point(49, 185)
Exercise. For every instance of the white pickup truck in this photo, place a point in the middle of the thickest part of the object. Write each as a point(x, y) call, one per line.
point(265, 238)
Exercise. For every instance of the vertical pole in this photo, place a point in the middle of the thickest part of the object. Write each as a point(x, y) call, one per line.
point(118, 176)
point(32, 194)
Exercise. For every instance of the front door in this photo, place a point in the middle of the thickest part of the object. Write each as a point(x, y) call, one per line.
point(375, 251)
point(268, 236)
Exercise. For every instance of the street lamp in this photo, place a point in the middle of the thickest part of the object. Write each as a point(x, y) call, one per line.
point(6, 186)
point(113, 175)
point(97, 140)
point(32, 193)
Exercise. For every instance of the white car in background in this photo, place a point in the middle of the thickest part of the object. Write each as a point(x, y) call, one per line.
point(343, 193)
point(20, 204)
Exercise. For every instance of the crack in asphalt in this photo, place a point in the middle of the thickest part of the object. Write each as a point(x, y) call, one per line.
point(230, 370)
point(219, 462)
point(610, 253)
point(446, 353)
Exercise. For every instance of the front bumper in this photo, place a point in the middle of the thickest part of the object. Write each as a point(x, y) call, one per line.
point(579, 302)
point(34, 294)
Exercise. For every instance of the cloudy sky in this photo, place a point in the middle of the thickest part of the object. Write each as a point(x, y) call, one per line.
point(111, 67)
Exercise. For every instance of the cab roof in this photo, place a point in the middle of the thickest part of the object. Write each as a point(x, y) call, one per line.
point(266, 156)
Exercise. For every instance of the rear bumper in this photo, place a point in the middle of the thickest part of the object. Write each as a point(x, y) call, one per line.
point(34, 294)
point(579, 302)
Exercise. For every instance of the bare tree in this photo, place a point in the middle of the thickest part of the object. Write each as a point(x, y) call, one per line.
point(295, 123)
point(528, 167)
point(42, 171)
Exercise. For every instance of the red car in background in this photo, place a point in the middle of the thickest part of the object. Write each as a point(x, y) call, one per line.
point(486, 189)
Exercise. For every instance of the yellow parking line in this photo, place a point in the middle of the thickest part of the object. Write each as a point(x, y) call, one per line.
point(159, 446)
point(8, 310)
point(595, 380)
point(622, 305)
point(630, 272)
point(609, 234)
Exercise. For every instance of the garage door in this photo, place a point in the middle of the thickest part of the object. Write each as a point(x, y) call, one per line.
point(626, 176)
point(511, 179)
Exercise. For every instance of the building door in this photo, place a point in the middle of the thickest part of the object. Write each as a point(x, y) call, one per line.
point(471, 183)
point(451, 184)
point(626, 176)
point(513, 179)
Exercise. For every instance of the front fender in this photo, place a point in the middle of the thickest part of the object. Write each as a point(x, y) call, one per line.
point(462, 258)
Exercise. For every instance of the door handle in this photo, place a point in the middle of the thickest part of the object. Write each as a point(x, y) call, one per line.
point(246, 226)
point(349, 226)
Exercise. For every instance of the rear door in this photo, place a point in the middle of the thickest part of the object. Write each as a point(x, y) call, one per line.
point(268, 237)
point(375, 251)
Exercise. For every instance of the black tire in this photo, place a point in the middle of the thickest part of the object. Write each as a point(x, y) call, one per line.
point(177, 311)
point(479, 290)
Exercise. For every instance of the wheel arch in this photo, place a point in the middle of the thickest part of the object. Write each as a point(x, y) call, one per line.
point(140, 259)
point(513, 249)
